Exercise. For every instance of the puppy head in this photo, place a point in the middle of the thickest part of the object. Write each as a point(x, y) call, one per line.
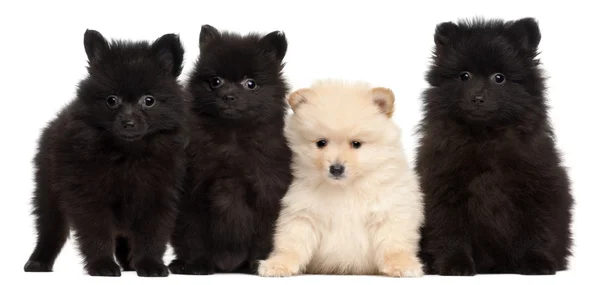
point(131, 90)
point(341, 131)
point(239, 77)
point(485, 72)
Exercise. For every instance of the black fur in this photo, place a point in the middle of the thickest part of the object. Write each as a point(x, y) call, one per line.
point(239, 165)
point(113, 174)
point(497, 198)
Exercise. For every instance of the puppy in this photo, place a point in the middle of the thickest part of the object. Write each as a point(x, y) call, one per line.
point(239, 161)
point(111, 164)
point(497, 197)
point(354, 206)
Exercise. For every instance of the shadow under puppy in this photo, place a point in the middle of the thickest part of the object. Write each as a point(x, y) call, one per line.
point(354, 206)
point(111, 164)
point(497, 198)
point(239, 161)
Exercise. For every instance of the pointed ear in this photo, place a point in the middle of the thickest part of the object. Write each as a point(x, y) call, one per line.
point(169, 52)
point(95, 44)
point(275, 43)
point(208, 34)
point(299, 97)
point(525, 33)
point(444, 33)
point(384, 99)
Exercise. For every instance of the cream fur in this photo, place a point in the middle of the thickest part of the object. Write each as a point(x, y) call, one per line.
point(366, 223)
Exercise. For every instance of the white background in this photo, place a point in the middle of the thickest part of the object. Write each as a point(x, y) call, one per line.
point(387, 43)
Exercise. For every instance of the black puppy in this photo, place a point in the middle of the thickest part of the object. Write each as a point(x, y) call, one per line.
point(497, 198)
point(111, 165)
point(239, 161)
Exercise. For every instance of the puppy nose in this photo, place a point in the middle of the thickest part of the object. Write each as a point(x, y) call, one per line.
point(229, 98)
point(336, 170)
point(128, 124)
point(477, 100)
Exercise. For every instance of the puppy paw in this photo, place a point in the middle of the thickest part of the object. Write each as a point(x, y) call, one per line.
point(458, 264)
point(151, 268)
point(537, 264)
point(402, 265)
point(37, 266)
point(178, 266)
point(103, 268)
point(278, 267)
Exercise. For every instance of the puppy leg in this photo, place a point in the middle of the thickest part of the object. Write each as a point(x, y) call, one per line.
point(52, 231)
point(95, 236)
point(396, 242)
point(149, 236)
point(294, 243)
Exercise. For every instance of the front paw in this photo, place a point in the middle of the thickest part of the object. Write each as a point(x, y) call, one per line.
point(178, 266)
point(278, 267)
point(103, 268)
point(402, 265)
point(151, 268)
point(537, 264)
point(37, 266)
point(458, 264)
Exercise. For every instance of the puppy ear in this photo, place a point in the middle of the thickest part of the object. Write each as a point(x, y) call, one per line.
point(275, 43)
point(444, 33)
point(95, 45)
point(525, 33)
point(299, 97)
point(384, 99)
point(208, 34)
point(169, 52)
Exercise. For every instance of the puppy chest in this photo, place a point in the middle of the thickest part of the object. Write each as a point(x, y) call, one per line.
point(345, 245)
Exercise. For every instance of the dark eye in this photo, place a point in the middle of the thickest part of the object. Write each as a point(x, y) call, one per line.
point(216, 82)
point(112, 101)
point(148, 101)
point(322, 143)
point(498, 78)
point(464, 76)
point(356, 144)
point(249, 84)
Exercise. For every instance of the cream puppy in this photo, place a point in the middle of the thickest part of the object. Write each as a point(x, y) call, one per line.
point(354, 206)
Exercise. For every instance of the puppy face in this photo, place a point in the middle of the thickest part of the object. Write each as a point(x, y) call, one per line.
point(132, 90)
point(485, 72)
point(340, 132)
point(238, 77)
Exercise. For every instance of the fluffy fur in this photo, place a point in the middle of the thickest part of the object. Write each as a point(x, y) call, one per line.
point(239, 160)
point(497, 198)
point(111, 164)
point(362, 220)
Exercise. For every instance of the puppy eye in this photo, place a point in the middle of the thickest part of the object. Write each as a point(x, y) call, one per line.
point(356, 144)
point(216, 82)
point(322, 143)
point(148, 101)
point(249, 84)
point(112, 101)
point(498, 78)
point(464, 76)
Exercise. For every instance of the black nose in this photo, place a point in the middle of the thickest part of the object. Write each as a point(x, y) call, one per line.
point(336, 170)
point(127, 124)
point(229, 98)
point(477, 100)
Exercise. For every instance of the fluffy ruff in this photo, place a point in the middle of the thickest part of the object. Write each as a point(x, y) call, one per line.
point(354, 206)
point(497, 198)
point(111, 164)
point(239, 161)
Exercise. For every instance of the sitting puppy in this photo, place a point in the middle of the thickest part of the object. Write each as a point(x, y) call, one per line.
point(497, 198)
point(354, 206)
